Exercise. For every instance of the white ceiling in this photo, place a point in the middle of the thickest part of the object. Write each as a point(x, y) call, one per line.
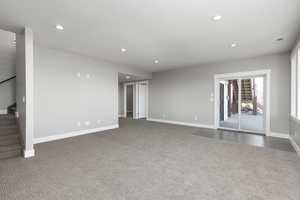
point(176, 32)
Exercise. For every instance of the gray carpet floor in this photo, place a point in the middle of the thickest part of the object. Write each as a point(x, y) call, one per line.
point(151, 161)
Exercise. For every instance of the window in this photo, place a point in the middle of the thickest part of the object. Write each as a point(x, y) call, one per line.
point(295, 82)
point(293, 85)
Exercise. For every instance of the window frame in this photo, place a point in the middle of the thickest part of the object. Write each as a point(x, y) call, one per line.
point(295, 82)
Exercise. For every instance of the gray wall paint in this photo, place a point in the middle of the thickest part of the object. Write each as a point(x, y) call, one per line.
point(24, 88)
point(7, 94)
point(21, 84)
point(7, 69)
point(62, 98)
point(181, 94)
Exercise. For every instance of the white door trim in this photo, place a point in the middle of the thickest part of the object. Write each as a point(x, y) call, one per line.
point(238, 75)
point(134, 98)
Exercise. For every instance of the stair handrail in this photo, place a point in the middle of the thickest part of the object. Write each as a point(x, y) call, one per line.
point(1, 82)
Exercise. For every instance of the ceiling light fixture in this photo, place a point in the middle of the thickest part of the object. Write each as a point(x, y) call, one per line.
point(217, 17)
point(233, 45)
point(127, 77)
point(123, 50)
point(59, 27)
point(156, 61)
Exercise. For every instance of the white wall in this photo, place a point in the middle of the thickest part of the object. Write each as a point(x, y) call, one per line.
point(62, 99)
point(182, 94)
point(7, 94)
point(24, 89)
point(7, 69)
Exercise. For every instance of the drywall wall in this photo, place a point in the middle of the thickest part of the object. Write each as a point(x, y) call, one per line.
point(74, 93)
point(24, 88)
point(7, 94)
point(7, 69)
point(182, 94)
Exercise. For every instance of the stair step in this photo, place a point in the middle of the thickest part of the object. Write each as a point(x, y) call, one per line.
point(8, 130)
point(10, 154)
point(9, 139)
point(7, 117)
point(11, 132)
point(12, 147)
point(7, 124)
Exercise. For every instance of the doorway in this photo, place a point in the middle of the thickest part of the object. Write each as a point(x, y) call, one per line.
point(129, 101)
point(242, 102)
point(136, 100)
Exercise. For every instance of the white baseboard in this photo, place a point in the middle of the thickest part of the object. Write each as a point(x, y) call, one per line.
point(73, 134)
point(278, 135)
point(295, 145)
point(3, 111)
point(182, 123)
point(28, 153)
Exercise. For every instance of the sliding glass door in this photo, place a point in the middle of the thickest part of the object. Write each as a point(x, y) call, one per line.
point(229, 104)
point(242, 104)
point(252, 104)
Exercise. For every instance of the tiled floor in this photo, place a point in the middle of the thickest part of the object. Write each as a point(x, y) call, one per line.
point(247, 122)
point(246, 138)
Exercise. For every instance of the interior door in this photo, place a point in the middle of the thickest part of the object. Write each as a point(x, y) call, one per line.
point(142, 87)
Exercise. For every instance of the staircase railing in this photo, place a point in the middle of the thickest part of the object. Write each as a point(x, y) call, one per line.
point(1, 82)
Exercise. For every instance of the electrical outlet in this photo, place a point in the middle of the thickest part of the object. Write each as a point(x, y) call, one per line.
point(87, 123)
point(196, 118)
point(78, 124)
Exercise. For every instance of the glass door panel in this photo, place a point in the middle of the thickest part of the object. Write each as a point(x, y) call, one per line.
point(229, 104)
point(252, 104)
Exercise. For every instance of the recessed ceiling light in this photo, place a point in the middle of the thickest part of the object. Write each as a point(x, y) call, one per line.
point(279, 39)
point(233, 45)
point(123, 50)
point(156, 61)
point(127, 77)
point(217, 17)
point(59, 27)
